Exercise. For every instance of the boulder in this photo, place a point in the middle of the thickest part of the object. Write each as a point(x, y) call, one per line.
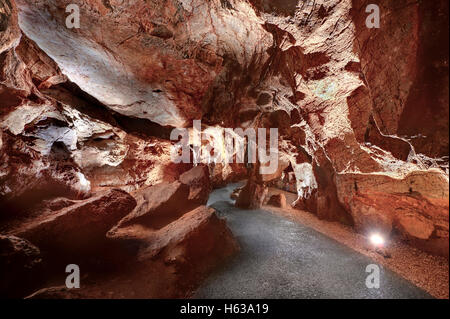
point(167, 263)
point(189, 247)
point(79, 228)
point(20, 264)
point(199, 235)
point(157, 206)
point(252, 195)
point(235, 194)
point(199, 184)
point(278, 200)
point(199, 230)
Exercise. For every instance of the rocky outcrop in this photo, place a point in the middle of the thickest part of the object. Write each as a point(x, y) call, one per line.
point(78, 229)
point(363, 135)
point(165, 225)
point(278, 200)
point(415, 205)
point(199, 184)
point(198, 235)
point(169, 86)
point(223, 174)
point(20, 265)
point(196, 242)
point(190, 246)
point(158, 205)
point(253, 194)
point(408, 88)
point(168, 263)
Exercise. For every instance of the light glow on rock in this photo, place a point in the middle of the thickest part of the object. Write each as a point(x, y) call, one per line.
point(377, 240)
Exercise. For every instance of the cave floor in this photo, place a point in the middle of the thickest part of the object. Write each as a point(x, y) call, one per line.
point(280, 258)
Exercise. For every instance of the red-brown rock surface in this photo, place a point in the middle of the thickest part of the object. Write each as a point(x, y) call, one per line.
point(278, 200)
point(20, 264)
point(199, 184)
point(414, 104)
point(416, 205)
point(252, 195)
point(168, 264)
point(159, 205)
point(189, 247)
point(362, 113)
point(197, 236)
point(79, 228)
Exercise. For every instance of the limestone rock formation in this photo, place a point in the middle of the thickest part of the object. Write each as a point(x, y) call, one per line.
point(167, 263)
point(79, 228)
point(253, 194)
point(197, 237)
point(20, 264)
point(158, 205)
point(86, 116)
point(199, 184)
point(278, 200)
point(416, 205)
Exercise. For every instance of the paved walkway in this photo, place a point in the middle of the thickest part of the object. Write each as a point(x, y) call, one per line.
point(283, 259)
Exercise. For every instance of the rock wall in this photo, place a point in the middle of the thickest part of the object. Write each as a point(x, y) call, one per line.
point(408, 82)
point(362, 113)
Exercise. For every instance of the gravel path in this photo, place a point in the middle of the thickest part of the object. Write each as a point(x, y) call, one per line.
point(283, 259)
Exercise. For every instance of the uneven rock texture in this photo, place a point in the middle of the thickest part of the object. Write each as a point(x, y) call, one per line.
point(153, 78)
point(416, 205)
point(188, 248)
point(170, 261)
point(278, 200)
point(194, 236)
point(158, 205)
point(252, 195)
point(148, 242)
point(362, 114)
point(224, 174)
point(415, 103)
point(20, 264)
point(164, 217)
point(80, 228)
point(199, 184)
